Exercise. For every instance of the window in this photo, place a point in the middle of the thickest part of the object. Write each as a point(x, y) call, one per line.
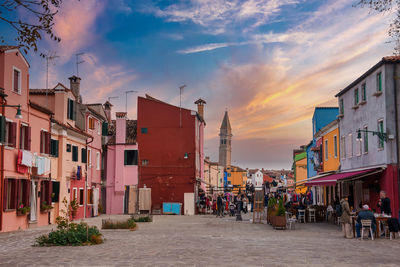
point(341, 107)
point(131, 157)
point(53, 148)
point(358, 145)
point(98, 127)
point(222, 141)
point(10, 192)
point(104, 128)
point(326, 150)
point(25, 137)
point(335, 146)
point(71, 109)
point(74, 193)
point(81, 196)
point(23, 192)
point(83, 155)
point(55, 196)
point(68, 147)
point(143, 130)
point(381, 142)
point(45, 142)
point(17, 81)
point(356, 99)
point(350, 146)
point(91, 123)
point(364, 92)
point(365, 139)
point(8, 132)
point(145, 162)
point(74, 153)
point(89, 158)
point(379, 82)
point(45, 193)
point(90, 196)
point(98, 161)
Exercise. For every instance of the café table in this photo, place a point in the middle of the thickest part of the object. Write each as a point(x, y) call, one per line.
point(379, 220)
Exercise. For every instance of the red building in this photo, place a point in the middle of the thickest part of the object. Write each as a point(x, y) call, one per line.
point(171, 158)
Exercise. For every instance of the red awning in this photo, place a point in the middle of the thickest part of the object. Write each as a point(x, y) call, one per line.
point(332, 179)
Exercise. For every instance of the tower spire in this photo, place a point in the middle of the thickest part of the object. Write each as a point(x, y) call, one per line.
point(225, 145)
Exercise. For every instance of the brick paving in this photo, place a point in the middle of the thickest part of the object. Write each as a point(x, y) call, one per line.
point(204, 241)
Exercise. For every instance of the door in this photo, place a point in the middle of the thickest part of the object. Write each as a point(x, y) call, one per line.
point(126, 199)
point(189, 203)
point(95, 202)
point(33, 216)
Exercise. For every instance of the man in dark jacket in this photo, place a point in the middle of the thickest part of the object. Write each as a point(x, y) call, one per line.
point(219, 206)
point(365, 214)
point(384, 203)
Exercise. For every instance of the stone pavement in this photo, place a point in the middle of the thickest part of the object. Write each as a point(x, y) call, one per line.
point(204, 241)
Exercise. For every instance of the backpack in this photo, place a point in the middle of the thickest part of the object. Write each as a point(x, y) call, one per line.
point(339, 210)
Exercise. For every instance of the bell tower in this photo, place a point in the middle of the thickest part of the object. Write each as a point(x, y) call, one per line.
point(225, 145)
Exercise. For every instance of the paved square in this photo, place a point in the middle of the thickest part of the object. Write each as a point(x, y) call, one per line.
point(204, 241)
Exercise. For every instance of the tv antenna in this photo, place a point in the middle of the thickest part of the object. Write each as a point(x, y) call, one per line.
point(78, 62)
point(112, 97)
point(49, 60)
point(180, 104)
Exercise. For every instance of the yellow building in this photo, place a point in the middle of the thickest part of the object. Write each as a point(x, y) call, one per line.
point(236, 177)
point(300, 172)
point(330, 150)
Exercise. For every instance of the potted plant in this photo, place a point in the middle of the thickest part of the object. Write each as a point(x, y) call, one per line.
point(280, 218)
point(23, 210)
point(45, 207)
point(74, 205)
point(271, 209)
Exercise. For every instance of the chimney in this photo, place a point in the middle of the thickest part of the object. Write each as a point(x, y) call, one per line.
point(107, 110)
point(200, 107)
point(74, 86)
point(120, 127)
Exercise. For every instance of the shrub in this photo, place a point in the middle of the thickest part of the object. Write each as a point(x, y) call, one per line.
point(272, 202)
point(281, 209)
point(128, 224)
point(143, 219)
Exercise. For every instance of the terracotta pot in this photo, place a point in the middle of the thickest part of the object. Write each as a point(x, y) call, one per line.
point(280, 222)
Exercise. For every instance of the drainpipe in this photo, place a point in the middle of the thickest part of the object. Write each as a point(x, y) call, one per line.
point(87, 171)
point(2, 172)
point(397, 129)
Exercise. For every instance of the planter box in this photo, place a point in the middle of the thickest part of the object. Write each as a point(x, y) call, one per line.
point(22, 214)
point(279, 222)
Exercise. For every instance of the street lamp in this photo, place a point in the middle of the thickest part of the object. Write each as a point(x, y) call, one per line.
point(18, 115)
point(381, 136)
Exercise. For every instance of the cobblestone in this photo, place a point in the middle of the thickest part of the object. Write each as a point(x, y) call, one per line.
point(203, 241)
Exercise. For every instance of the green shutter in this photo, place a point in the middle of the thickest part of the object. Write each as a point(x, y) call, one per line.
point(56, 147)
point(73, 110)
point(105, 128)
point(55, 196)
point(84, 155)
point(125, 157)
point(74, 153)
point(2, 129)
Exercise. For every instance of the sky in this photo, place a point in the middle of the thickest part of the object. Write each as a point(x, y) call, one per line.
point(268, 62)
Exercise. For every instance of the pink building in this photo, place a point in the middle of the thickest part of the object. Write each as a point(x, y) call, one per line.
point(122, 165)
point(26, 181)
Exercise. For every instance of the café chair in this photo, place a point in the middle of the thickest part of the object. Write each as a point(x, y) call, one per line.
point(365, 224)
point(290, 220)
point(311, 215)
point(302, 216)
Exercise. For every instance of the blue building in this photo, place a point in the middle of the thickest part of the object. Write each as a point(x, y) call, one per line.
point(322, 117)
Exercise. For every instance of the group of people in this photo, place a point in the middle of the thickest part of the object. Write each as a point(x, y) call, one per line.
point(224, 204)
point(365, 214)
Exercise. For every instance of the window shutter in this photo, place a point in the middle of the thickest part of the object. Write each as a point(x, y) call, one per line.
point(2, 128)
point(125, 157)
point(73, 104)
point(42, 198)
point(16, 81)
point(135, 159)
point(13, 197)
point(49, 191)
point(105, 128)
point(83, 155)
point(41, 141)
point(27, 191)
point(56, 147)
point(5, 194)
point(12, 139)
point(47, 144)
point(28, 138)
point(17, 196)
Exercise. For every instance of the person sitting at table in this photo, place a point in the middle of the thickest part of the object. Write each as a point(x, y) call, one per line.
point(384, 203)
point(365, 214)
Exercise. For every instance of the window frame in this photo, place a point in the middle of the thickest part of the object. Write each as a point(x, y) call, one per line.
point(19, 81)
point(89, 157)
point(135, 159)
point(381, 143)
point(364, 92)
point(335, 146)
point(365, 140)
point(351, 152)
point(75, 149)
point(326, 143)
point(98, 161)
point(341, 106)
point(356, 97)
point(379, 86)
point(81, 199)
point(144, 130)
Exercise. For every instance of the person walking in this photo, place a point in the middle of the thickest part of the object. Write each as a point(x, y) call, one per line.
point(219, 205)
point(345, 218)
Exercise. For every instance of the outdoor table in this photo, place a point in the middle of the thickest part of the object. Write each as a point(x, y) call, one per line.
point(380, 219)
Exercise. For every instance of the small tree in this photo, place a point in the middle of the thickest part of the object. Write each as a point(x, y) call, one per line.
point(41, 15)
point(281, 209)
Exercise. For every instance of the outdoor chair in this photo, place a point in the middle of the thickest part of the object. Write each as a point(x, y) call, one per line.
point(302, 216)
point(365, 224)
point(290, 220)
point(311, 215)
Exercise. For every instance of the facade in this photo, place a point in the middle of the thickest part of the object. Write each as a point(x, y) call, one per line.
point(330, 156)
point(25, 148)
point(225, 143)
point(370, 103)
point(300, 171)
point(257, 179)
point(70, 164)
point(211, 176)
point(236, 178)
point(171, 158)
point(122, 166)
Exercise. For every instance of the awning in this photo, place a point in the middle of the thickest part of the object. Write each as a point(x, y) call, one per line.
point(332, 179)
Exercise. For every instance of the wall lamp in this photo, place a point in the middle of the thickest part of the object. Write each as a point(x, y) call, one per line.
point(186, 156)
point(18, 115)
point(381, 136)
